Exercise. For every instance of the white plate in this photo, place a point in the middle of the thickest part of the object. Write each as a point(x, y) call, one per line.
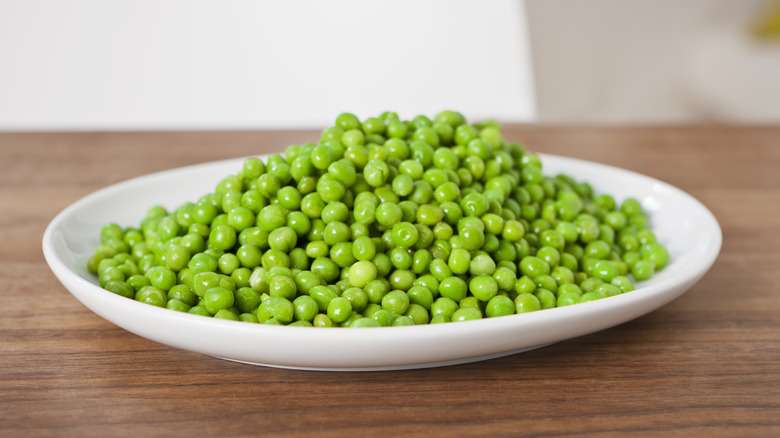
point(687, 228)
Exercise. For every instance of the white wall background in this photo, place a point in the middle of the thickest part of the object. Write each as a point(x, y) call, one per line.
point(653, 61)
point(176, 64)
point(240, 64)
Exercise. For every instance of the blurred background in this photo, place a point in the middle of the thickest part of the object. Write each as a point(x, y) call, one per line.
point(238, 64)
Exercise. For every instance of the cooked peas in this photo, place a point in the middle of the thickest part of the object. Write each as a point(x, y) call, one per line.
point(361, 273)
point(483, 287)
point(466, 314)
point(151, 295)
point(499, 305)
point(384, 222)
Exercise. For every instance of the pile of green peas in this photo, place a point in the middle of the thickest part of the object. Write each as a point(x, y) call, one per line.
point(384, 222)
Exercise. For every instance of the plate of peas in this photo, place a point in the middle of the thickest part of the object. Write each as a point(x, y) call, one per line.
point(388, 244)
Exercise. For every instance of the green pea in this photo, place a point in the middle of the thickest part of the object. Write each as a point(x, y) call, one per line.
point(248, 317)
point(483, 287)
point(241, 277)
point(428, 281)
point(137, 282)
point(396, 302)
point(624, 283)
point(341, 254)
point(420, 295)
point(474, 204)
point(347, 121)
point(439, 319)
point(568, 261)
point(339, 309)
point(499, 305)
point(402, 279)
point(218, 298)
point(364, 322)
point(246, 300)
point(177, 305)
point(199, 310)
point(609, 290)
point(546, 297)
point(465, 133)
point(330, 189)
point(444, 306)
point(177, 257)
point(404, 234)
point(325, 268)
point(353, 137)
point(505, 278)
point(466, 314)
point(305, 308)
point(383, 264)
point(335, 211)
point(336, 232)
point(591, 296)
point(604, 270)
point(365, 212)
point(278, 308)
point(401, 258)
point(388, 214)
point(459, 261)
point(151, 295)
point(283, 239)
point(317, 248)
point(567, 299)
point(440, 269)
point(472, 238)
point(282, 286)
point(417, 313)
point(161, 278)
point(655, 253)
point(361, 273)
point(453, 288)
point(589, 230)
point(430, 215)
point(590, 284)
point(533, 266)
point(383, 317)
point(643, 269)
point(482, 264)
point(376, 172)
point(120, 288)
point(358, 299)
point(323, 296)
point(421, 260)
point(274, 257)
point(227, 263)
point(526, 302)
point(249, 256)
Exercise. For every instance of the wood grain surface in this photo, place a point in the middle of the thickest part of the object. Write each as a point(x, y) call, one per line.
point(707, 364)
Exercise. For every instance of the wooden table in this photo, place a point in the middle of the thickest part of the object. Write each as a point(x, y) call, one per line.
point(708, 364)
